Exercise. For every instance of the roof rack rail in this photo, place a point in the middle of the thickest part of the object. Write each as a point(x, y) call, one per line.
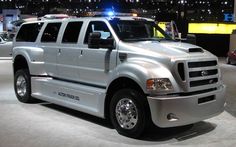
point(110, 14)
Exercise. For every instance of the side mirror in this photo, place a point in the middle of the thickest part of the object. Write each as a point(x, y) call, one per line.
point(95, 41)
point(191, 38)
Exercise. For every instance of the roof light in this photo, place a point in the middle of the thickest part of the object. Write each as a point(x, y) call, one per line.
point(110, 13)
point(134, 14)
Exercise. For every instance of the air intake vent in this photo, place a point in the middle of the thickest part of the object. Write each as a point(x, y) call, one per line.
point(194, 50)
point(203, 82)
point(181, 71)
point(206, 99)
point(202, 64)
point(203, 73)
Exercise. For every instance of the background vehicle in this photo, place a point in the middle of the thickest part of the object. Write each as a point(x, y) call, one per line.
point(231, 57)
point(16, 24)
point(5, 45)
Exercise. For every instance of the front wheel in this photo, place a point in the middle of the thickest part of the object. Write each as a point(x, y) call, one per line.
point(22, 86)
point(129, 112)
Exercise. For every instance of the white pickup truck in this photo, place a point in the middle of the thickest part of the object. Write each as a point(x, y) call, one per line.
point(126, 69)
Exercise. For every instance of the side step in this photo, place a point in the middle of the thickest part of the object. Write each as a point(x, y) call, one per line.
point(83, 98)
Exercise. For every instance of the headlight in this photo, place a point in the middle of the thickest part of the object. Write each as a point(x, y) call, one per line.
point(159, 84)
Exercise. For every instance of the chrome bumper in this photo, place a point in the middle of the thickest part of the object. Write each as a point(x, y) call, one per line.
point(184, 110)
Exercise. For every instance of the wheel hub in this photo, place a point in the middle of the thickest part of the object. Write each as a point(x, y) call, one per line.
point(126, 113)
point(21, 86)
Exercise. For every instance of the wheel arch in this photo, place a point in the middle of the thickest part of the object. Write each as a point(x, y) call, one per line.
point(117, 84)
point(20, 62)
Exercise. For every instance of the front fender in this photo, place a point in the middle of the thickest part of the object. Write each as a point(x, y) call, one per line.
point(140, 71)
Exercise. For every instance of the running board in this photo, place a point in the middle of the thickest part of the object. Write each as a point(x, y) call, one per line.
point(83, 98)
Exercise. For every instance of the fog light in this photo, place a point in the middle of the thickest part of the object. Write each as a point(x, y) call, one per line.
point(172, 117)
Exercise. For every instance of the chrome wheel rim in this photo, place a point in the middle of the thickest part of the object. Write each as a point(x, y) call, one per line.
point(126, 113)
point(21, 86)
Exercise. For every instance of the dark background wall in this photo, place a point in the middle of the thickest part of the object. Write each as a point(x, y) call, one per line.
point(216, 44)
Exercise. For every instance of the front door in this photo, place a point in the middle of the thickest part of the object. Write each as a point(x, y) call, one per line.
point(96, 64)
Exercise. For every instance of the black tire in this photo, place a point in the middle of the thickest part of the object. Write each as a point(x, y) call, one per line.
point(22, 79)
point(142, 107)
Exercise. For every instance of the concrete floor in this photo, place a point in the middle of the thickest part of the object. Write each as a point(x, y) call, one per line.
point(47, 125)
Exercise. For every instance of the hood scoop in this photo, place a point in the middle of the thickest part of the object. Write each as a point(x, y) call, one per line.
point(195, 50)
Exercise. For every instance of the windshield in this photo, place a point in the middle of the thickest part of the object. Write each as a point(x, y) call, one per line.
point(138, 30)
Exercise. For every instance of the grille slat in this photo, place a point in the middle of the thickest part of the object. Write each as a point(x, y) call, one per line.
point(203, 68)
point(203, 78)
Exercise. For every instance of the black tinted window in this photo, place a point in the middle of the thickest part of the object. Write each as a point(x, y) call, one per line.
point(72, 31)
point(97, 26)
point(51, 32)
point(29, 32)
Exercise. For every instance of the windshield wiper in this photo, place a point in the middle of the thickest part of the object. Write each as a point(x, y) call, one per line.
point(167, 39)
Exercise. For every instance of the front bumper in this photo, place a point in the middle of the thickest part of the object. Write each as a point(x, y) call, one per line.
point(186, 109)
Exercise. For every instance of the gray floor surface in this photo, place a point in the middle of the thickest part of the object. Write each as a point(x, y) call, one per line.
point(48, 125)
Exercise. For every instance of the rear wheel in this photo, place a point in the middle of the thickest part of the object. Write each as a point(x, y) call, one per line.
point(129, 112)
point(22, 86)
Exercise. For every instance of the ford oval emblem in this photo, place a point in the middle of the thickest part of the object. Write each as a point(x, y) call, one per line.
point(211, 81)
point(204, 73)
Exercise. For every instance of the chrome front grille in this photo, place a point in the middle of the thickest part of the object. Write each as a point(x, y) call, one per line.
point(198, 75)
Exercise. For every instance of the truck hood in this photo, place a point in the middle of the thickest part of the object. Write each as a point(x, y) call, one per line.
point(167, 48)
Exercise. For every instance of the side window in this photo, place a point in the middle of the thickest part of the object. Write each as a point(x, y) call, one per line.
point(51, 32)
point(97, 26)
point(71, 33)
point(29, 32)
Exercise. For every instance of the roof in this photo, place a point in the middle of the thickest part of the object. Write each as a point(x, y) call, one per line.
point(92, 18)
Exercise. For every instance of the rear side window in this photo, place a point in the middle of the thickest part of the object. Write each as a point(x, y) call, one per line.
point(51, 32)
point(29, 32)
point(71, 33)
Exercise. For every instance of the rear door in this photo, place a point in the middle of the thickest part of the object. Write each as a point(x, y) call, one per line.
point(69, 52)
point(50, 46)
